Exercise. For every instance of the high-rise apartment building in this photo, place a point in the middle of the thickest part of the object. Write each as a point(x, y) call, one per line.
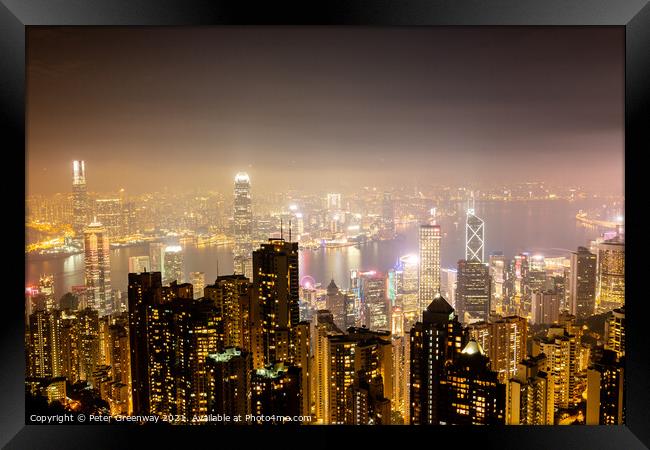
point(361, 377)
point(323, 327)
point(610, 292)
point(171, 336)
point(504, 342)
point(530, 394)
point(44, 344)
point(606, 391)
point(233, 300)
point(276, 292)
point(562, 363)
point(46, 290)
point(615, 331)
point(582, 284)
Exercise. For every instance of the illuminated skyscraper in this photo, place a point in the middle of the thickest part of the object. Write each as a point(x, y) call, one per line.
point(242, 224)
point(119, 354)
point(70, 346)
point(276, 291)
point(197, 280)
point(429, 271)
point(373, 304)
point(195, 335)
point(361, 377)
point(582, 285)
point(79, 197)
point(171, 336)
point(474, 237)
point(97, 262)
point(139, 264)
point(232, 297)
point(173, 264)
point(434, 342)
point(472, 394)
point(504, 342)
point(89, 351)
point(611, 274)
point(606, 391)
point(143, 295)
point(473, 292)
point(408, 289)
point(530, 394)
point(44, 344)
point(301, 338)
point(323, 327)
point(46, 289)
point(561, 350)
point(615, 332)
point(400, 397)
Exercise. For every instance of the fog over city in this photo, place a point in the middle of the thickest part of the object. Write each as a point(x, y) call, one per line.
point(324, 108)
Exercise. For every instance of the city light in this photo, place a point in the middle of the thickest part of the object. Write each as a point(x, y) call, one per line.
point(392, 260)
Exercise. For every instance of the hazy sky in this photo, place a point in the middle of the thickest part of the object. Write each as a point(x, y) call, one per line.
point(324, 107)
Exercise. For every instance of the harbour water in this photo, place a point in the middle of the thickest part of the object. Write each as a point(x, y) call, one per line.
point(546, 227)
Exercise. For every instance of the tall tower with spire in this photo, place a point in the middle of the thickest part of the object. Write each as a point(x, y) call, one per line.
point(242, 225)
point(474, 234)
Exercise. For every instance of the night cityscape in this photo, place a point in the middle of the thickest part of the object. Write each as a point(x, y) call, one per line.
point(282, 239)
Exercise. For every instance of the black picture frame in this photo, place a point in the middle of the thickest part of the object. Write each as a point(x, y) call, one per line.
point(16, 15)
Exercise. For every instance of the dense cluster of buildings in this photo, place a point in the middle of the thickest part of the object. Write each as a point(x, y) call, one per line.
point(493, 341)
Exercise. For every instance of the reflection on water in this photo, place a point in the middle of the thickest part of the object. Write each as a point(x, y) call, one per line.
point(546, 227)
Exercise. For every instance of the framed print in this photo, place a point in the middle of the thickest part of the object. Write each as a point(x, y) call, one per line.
point(327, 225)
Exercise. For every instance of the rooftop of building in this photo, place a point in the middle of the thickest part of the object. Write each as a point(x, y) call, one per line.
point(439, 305)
